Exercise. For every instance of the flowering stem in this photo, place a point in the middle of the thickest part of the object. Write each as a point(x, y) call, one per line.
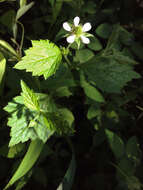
point(67, 60)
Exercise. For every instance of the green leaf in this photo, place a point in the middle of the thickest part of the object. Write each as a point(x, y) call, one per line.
point(14, 150)
point(132, 149)
point(134, 183)
point(23, 10)
point(29, 97)
point(116, 144)
point(93, 111)
point(118, 56)
point(9, 48)
point(19, 121)
point(108, 74)
point(104, 30)
point(63, 92)
point(84, 55)
point(99, 138)
point(7, 19)
point(41, 59)
point(23, 3)
point(52, 2)
point(44, 127)
point(2, 70)
point(137, 49)
point(26, 124)
point(67, 181)
point(28, 161)
point(113, 38)
point(56, 9)
point(95, 44)
point(90, 91)
point(67, 115)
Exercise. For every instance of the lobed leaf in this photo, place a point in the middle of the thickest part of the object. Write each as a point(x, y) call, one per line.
point(108, 74)
point(41, 59)
point(29, 97)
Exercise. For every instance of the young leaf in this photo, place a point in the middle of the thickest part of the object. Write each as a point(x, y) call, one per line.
point(23, 10)
point(30, 99)
point(116, 144)
point(41, 59)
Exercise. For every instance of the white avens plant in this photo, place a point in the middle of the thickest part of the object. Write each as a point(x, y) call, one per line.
point(77, 32)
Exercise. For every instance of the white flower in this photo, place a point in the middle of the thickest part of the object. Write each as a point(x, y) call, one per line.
point(77, 31)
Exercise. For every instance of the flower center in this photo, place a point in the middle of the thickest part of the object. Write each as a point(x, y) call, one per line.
point(77, 30)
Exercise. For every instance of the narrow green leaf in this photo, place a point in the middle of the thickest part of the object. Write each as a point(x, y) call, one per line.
point(41, 59)
point(67, 182)
point(28, 161)
point(2, 70)
point(116, 144)
point(30, 99)
point(8, 47)
point(23, 10)
point(23, 3)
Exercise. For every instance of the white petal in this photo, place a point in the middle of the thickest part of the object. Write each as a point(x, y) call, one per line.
point(76, 21)
point(86, 27)
point(71, 39)
point(66, 26)
point(85, 40)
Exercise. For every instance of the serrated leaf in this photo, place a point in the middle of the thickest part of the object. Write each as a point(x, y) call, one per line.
point(116, 143)
point(23, 10)
point(29, 97)
point(19, 121)
point(108, 74)
point(44, 127)
point(41, 59)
